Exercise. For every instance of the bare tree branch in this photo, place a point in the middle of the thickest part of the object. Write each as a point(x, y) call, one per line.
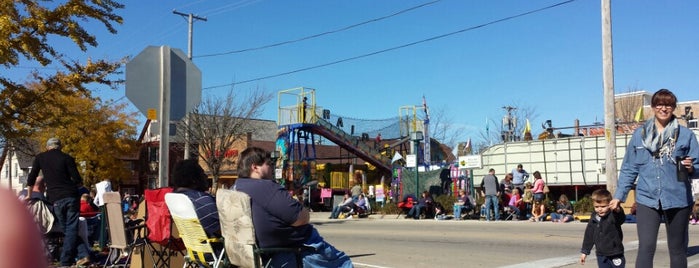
point(216, 124)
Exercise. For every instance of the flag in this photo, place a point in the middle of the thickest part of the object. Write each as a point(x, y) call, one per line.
point(427, 111)
point(639, 115)
point(527, 128)
point(396, 157)
point(467, 147)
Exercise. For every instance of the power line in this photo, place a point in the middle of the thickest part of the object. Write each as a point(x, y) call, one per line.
point(395, 48)
point(318, 35)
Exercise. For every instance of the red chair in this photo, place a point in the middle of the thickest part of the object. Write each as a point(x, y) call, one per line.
point(406, 205)
point(161, 242)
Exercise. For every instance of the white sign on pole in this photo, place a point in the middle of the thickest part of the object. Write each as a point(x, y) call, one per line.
point(411, 160)
point(470, 161)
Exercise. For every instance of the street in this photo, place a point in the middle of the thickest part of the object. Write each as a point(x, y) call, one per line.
point(389, 242)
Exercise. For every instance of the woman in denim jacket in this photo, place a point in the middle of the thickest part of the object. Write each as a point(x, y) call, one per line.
point(652, 158)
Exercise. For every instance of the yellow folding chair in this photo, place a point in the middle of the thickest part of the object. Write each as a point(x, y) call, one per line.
point(235, 216)
point(192, 233)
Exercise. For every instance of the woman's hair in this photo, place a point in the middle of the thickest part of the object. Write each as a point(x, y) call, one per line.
point(664, 97)
point(537, 174)
point(563, 198)
point(251, 156)
point(601, 196)
point(508, 176)
point(189, 174)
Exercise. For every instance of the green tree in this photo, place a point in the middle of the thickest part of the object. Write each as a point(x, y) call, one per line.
point(97, 134)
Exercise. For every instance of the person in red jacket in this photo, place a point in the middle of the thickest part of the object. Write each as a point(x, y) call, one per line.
point(87, 210)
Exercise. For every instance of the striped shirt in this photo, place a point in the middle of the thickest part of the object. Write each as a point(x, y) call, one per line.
point(205, 206)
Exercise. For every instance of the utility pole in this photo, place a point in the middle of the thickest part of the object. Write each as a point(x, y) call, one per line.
point(509, 123)
point(190, 22)
point(608, 78)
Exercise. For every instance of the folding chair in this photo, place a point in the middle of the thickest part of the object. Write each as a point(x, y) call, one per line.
point(509, 212)
point(119, 244)
point(193, 235)
point(406, 205)
point(161, 243)
point(235, 215)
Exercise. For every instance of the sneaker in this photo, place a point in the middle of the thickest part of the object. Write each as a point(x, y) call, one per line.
point(83, 262)
point(349, 217)
point(693, 222)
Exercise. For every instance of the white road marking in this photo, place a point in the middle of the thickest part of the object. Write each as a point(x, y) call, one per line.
point(359, 264)
point(568, 260)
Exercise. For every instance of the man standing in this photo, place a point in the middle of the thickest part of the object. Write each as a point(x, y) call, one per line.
point(491, 191)
point(519, 177)
point(279, 219)
point(62, 181)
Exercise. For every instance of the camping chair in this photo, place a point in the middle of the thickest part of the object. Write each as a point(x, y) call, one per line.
point(235, 215)
point(509, 213)
point(406, 205)
point(161, 243)
point(117, 233)
point(193, 235)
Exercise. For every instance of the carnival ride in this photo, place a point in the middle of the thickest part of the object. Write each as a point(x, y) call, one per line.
point(302, 124)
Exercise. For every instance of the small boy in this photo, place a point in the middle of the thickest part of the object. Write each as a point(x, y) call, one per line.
point(604, 232)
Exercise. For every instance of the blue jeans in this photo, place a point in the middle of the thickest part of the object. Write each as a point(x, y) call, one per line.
point(324, 255)
point(337, 210)
point(67, 211)
point(491, 201)
point(561, 217)
point(415, 211)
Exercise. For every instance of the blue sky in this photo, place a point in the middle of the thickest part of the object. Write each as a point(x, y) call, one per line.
point(548, 61)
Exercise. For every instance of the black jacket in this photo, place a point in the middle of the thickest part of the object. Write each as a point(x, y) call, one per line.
point(606, 234)
point(60, 174)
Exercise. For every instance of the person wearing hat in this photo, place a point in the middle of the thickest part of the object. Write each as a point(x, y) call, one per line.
point(62, 181)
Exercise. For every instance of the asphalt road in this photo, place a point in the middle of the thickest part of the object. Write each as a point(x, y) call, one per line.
point(385, 241)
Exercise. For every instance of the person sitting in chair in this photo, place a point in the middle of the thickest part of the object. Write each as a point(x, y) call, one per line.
point(279, 219)
point(188, 178)
point(361, 204)
point(463, 205)
point(345, 206)
point(424, 203)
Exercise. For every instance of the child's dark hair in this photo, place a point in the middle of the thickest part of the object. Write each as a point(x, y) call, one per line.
point(601, 196)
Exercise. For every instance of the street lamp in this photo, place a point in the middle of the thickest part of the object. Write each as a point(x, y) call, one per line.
point(274, 156)
point(416, 137)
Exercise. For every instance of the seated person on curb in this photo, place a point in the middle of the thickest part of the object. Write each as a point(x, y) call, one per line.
point(515, 203)
point(564, 210)
point(439, 212)
point(345, 206)
point(462, 205)
point(423, 204)
point(188, 178)
point(538, 211)
point(279, 220)
point(361, 204)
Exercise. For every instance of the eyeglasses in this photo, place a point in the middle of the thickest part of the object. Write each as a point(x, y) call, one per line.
point(666, 106)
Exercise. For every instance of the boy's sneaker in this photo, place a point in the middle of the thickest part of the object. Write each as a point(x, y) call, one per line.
point(349, 217)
